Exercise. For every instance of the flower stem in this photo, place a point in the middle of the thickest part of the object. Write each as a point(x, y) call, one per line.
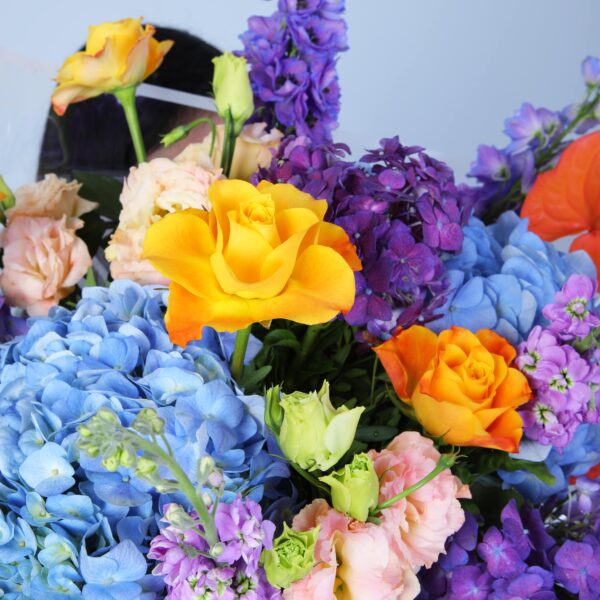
point(185, 485)
point(445, 462)
point(90, 278)
point(239, 353)
point(229, 139)
point(126, 97)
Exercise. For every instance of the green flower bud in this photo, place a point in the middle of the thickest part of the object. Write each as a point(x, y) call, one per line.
point(111, 463)
point(145, 467)
point(148, 422)
point(206, 465)
point(273, 411)
point(231, 86)
point(179, 518)
point(176, 134)
point(292, 556)
point(313, 434)
point(7, 198)
point(355, 487)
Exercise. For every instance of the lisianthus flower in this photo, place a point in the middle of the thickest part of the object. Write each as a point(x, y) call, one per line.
point(460, 384)
point(566, 199)
point(353, 560)
point(420, 523)
point(116, 55)
point(259, 254)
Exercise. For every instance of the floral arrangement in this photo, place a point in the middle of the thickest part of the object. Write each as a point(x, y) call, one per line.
point(308, 377)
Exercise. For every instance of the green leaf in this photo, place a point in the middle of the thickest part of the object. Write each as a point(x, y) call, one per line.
point(102, 189)
point(491, 461)
point(251, 379)
point(375, 433)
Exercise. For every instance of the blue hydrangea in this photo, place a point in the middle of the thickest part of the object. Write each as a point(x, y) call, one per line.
point(69, 528)
point(577, 458)
point(503, 277)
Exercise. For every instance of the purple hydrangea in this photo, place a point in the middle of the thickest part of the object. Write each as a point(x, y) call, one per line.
point(401, 209)
point(578, 568)
point(292, 56)
point(191, 570)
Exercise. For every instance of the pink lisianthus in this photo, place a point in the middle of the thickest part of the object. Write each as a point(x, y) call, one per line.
point(43, 260)
point(52, 197)
point(420, 523)
point(151, 191)
point(354, 561)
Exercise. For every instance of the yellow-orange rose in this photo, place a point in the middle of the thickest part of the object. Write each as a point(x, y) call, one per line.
point(116, 55)
point(460, 384)
point(253, 149)
point(259, 254)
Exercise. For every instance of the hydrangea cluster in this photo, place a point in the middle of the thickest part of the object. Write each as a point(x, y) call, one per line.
point(400, 208)
point(564, 379)
point(519, 560)
point(505, 174)
point(503, 277)
point(190, 572)
point(69, 524)
point(292, 56)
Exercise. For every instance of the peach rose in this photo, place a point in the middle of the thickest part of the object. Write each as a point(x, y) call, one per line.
point(152, 190)
point(420, 523)
point(43, 259)
point(460, 384)
point(253, 149)
point(52, 197)
point(355, 561)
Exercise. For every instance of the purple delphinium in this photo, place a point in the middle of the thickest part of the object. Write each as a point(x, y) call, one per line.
point(401, 209)
point(292, 56)
point(231, 570)
point(505, 175)
point(571, 315)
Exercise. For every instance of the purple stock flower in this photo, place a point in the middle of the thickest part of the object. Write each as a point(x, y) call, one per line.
point(590, 69)
point(577, 568)
point(534, 357)
point(571, 315)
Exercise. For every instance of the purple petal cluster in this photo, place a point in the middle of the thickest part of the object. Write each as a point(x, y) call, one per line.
point(190, 570)
point(402, 210)
point(563, 378)
point(536, 137)
point(292, 56)
point(509, 562)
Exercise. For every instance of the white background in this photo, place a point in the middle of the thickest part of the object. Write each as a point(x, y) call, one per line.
point(440, 73)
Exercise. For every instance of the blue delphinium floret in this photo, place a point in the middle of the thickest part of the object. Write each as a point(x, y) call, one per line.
point(503, 277)
point(69, 528)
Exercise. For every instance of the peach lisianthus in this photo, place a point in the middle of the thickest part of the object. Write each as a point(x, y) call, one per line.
point(253, 149)
point(420, 523)
point(117, 55)
point(354, 561)
point(52, 197)
point(43, 260)
point(152, 190)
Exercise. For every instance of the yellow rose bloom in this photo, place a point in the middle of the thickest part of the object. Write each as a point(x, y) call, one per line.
point(116, 55)
point(260, 253)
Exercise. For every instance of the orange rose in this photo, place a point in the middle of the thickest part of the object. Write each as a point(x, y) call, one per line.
point(116, 55)
point(260, 253)
point(460, 384)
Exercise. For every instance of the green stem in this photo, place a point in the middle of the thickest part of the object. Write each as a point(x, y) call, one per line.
point(312, 480)
point(126, 97)
point(308, 341)
point(229, 139)
point(445, 462)
point(373, 377)
point(239, 353)
point(185, 485)
point(90, 279)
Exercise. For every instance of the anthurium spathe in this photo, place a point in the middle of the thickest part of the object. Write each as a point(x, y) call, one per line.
point(566, 199)
point(117, 55)
point(461, 385)
point(260, 253)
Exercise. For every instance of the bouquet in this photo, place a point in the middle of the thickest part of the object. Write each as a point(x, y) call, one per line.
point(308, 377)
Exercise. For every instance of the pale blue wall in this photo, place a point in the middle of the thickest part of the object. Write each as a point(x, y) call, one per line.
point(441, 73)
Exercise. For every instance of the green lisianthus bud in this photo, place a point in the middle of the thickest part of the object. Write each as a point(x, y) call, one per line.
point(313, 434)
point(273, 410)
point(231, 86)
point(292, 556)
point(355, 487)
